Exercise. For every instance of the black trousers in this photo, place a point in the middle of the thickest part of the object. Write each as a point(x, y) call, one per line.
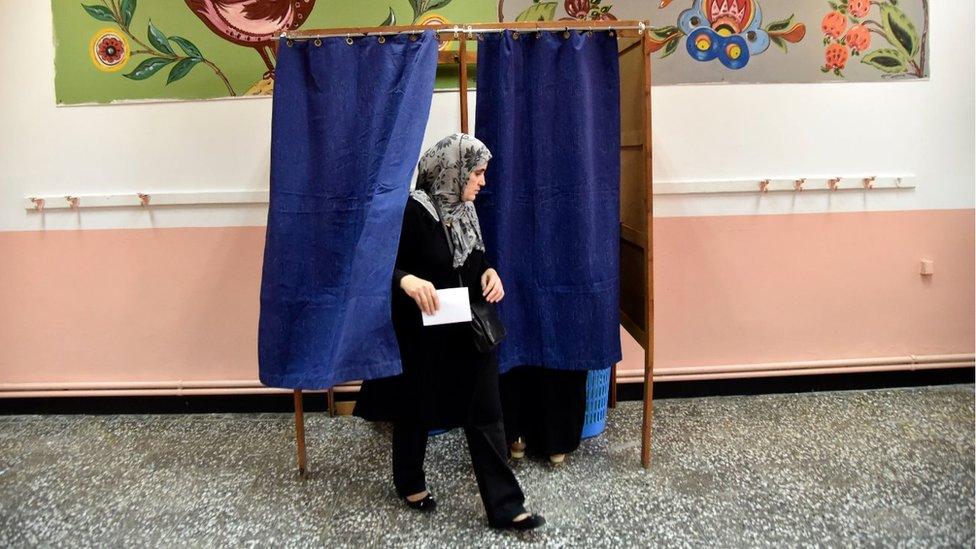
point(500, 492)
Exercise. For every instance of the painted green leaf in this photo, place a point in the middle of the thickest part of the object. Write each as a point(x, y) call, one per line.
point(778, 41)
point(100, 12)
point(891, 61)
point(899, 29)
point(437, 4)
point(543, 11)
point(127, 8)
point(780, 25)
point(671, 47)
point(148, 68)
point(182, 68)
point(158, 39)
point(417, 10)
point(188, 47)
point(390, 19)
point(663, 33)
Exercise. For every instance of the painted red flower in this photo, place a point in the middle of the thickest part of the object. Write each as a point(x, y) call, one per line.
point(582, 10)
point(109, 50)
point(858, 38)
point(577, 9)
point(834, 24)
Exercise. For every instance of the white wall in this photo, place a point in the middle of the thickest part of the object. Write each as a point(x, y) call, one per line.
point(753, 132)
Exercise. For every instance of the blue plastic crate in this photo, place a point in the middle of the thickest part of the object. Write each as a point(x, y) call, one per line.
point(597, 392)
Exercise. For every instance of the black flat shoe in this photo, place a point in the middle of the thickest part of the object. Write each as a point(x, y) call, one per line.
point(425, 505)
point(530, 522)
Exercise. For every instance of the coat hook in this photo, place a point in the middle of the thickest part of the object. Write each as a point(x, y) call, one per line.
point(72, 201)
point(832, 183)
point(38, 203)
point(764, 186)
point(798, 184)
point(143, 199)
point(869, 182)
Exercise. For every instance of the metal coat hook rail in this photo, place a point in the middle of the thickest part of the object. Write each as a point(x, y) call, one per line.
point(805, 185)
point(788, 184)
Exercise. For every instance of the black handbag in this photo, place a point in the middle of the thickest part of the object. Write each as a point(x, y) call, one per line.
point(485, 322)
point(487, 326)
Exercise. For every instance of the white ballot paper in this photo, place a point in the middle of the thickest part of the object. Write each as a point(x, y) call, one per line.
point(455, 307)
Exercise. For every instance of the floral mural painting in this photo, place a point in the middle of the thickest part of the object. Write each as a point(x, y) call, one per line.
point(729, 41)
point(730, 31)
point(119, 50)
point(847, 33)
point(138, 50)
point(111, 50)
point(576, 10)
point(252, 24)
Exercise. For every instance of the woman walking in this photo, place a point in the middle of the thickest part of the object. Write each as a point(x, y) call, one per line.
point(446, 382)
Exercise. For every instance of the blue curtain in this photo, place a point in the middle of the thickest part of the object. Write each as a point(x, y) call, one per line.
point(348, 123)
point(549, 110)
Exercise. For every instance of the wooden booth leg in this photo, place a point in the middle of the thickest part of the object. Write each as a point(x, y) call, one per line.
point(330, 400)
point(649, 256)
point(648, 416)
point(300, 433)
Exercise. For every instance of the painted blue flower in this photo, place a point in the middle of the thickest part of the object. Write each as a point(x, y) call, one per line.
point(729, 30)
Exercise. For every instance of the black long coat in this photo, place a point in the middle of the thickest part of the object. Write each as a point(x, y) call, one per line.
point(445, 382)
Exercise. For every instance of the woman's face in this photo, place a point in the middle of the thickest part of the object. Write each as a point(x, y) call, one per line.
point(475, 182)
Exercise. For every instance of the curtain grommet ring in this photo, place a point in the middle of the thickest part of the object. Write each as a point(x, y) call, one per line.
point(611, 34)
point(318, 42)
point(566, 33)
point(515, 35)
point(413, 37)
point(289, 42)
point(381, 39)
point(589, 33)
point(349, 40)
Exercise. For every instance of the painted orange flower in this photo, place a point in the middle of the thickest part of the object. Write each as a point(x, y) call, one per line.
point(858, 38)
point(109, 50)
point(836, 56)
point(858, 8)
point(834, 24)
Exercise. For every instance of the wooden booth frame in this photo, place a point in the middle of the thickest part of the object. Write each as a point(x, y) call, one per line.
point(636, 198)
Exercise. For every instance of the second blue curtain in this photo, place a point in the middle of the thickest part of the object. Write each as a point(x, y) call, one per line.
point(548, 107)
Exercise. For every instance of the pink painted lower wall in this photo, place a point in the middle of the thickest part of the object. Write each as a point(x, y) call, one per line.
point(164, 306)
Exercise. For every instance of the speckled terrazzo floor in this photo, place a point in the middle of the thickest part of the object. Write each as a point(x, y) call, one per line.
point(876, 468)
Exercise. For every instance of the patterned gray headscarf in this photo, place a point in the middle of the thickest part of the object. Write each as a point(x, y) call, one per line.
point(442, 173)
